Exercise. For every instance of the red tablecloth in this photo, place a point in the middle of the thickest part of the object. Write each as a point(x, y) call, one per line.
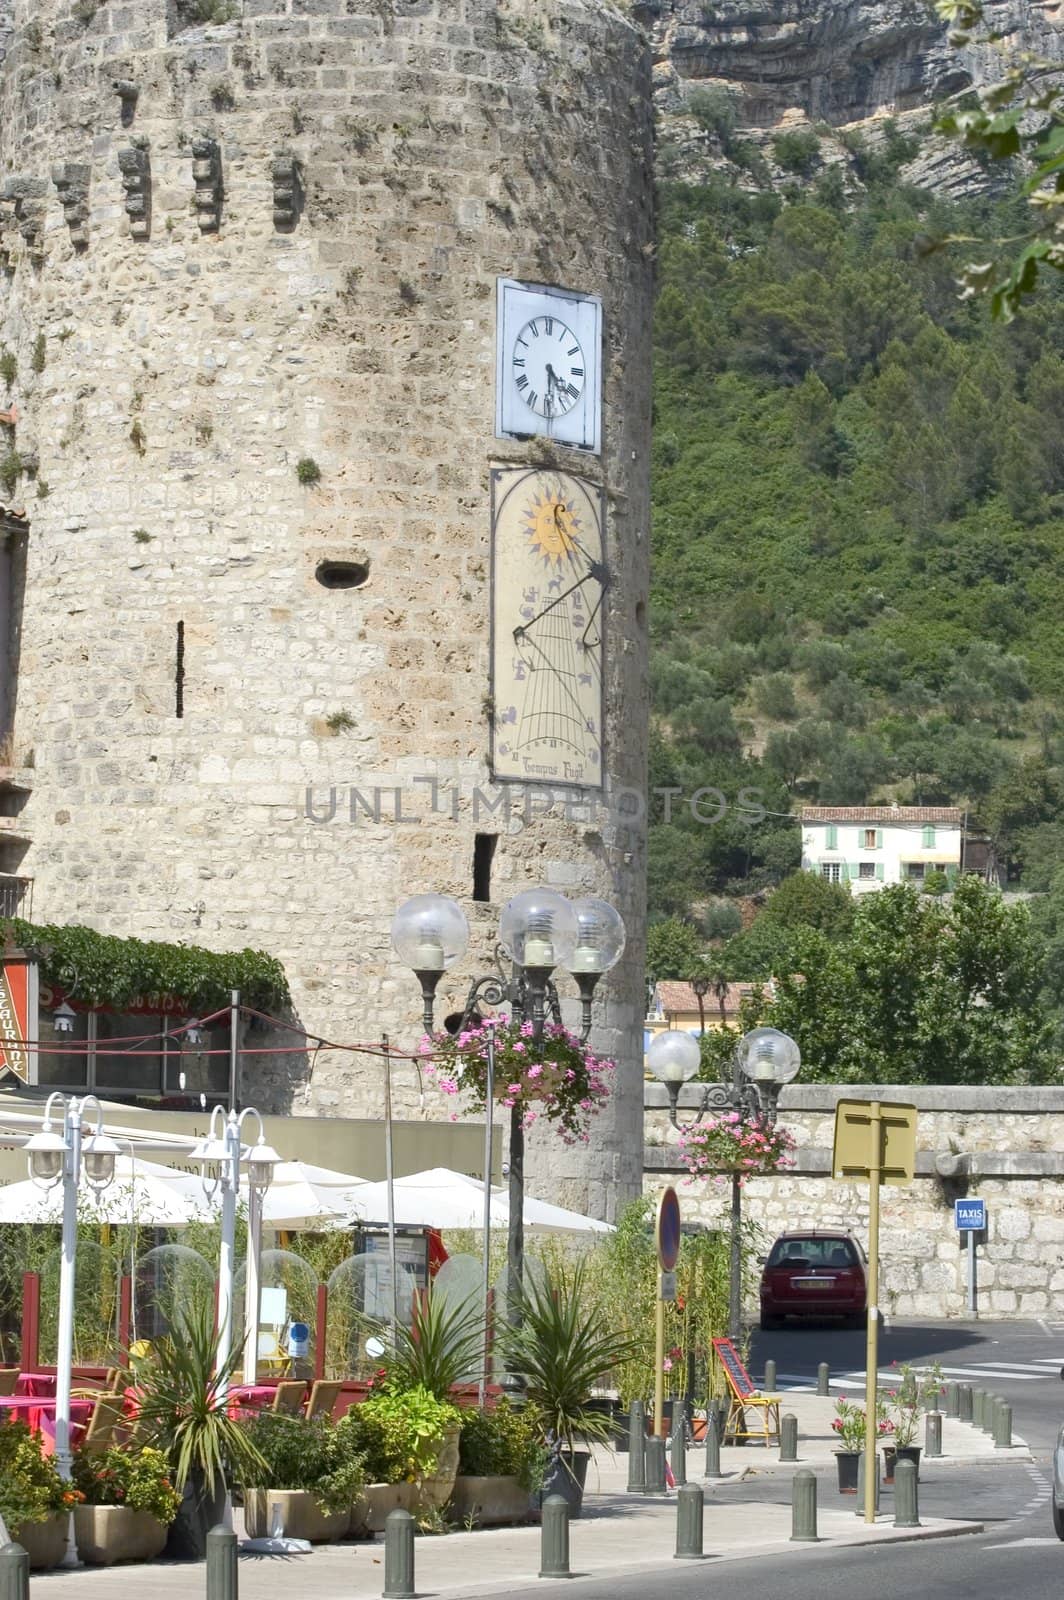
point(36, 1383)
point(251, 1397)
point(39, 1413)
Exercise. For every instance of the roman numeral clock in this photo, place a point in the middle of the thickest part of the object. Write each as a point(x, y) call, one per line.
point(549, 571)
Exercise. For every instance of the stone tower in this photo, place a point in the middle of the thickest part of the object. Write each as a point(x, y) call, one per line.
point(250, 251)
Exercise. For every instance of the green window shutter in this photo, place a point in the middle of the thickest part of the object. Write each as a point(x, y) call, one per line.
point(929, 838)
point(951, 876)
point(879, 871)
point(844, 872)
point(879, 838)
point(833, 837)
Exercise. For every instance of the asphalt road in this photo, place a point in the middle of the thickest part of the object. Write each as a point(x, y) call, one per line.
point(1018, 1554)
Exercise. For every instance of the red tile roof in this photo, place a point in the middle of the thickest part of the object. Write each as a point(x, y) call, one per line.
point(900, 816)
point(672, 995)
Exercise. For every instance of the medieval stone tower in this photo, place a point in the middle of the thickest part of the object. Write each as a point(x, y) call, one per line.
point(253, 466)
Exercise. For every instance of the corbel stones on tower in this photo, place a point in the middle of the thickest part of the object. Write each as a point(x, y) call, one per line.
point(128, 94)
point(288, 191)
point(207, 176)
point(71, 178)
point(27, 197)
point(134, 164)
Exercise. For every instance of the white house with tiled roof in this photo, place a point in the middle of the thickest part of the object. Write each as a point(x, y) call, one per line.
point(870, 846)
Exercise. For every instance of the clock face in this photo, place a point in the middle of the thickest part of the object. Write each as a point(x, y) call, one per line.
point(548, 366)
point(549, 582)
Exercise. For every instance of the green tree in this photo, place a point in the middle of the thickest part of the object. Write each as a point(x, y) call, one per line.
point(674, 950)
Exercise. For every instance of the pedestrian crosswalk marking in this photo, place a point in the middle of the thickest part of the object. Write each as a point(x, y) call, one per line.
point(1019, 1371)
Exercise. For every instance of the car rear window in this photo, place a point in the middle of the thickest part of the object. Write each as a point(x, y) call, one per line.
point(812, 1253)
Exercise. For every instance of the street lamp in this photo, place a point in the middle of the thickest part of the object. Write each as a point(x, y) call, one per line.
point(674, 1058)
point(539, 932)
point(220, 1155)
point(63, 1157)
point(763, 1061)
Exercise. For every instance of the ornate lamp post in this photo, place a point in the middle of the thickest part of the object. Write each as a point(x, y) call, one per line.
point(220, 1155)
point(66, 1157)
point(540, 931)
point(764, 1060)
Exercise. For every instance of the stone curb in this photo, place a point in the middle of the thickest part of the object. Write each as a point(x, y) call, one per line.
point(882, 1532)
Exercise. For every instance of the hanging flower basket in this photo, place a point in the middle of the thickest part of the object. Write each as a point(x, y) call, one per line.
point(559, 1078)
point(731, 1144)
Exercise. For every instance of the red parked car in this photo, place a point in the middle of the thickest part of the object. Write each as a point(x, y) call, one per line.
point(814, 1274)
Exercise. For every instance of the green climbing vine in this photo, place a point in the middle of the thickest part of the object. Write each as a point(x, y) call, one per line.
point(106, 971)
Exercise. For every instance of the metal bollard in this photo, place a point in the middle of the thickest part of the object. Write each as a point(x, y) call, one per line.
point(859, 1509)
point(933, 1435)
point(823, 1378)
point(712, 1446)
point(788, 1437)
point(14, 1573)
point(690, 1505)
point(637, 1448)
point(399, 1554)
point(953, 1399)
point(1003, 1427)
point(965, 1402)
point(978, 1404)
point(770, 1377)
point(678, 1444)
point(655, 1460)
point(554, 1538)
point(803, 1507)
point(906, 1503)
point(222, 1579)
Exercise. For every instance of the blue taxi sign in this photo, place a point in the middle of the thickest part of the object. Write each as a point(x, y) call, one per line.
point(970, 1215)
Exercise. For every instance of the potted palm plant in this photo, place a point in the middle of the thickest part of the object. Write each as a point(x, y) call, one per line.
point(181, 1398)
point(442, 1348)
point(562, 1348)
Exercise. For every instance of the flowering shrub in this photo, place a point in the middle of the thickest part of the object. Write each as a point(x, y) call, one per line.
point(849, 1423)
point(917, 1392)
point(559, 1078)
point(31, 1489)
point(137, 1479)
point(730, 1143)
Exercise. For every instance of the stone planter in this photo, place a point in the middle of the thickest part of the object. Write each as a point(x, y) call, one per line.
point(437, 1489)
point(43, 1542)
point(106, 1534)
point(490, 1502)
point(370, 1510)
point(303, 1517)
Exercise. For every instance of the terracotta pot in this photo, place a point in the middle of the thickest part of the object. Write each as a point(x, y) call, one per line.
point(436, 1489)
point(370, 1511)
point(303, 1517)
point(107, 1534)
point(44, 1542)
point(490, 1502)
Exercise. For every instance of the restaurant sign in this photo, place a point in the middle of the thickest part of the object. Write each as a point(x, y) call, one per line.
point(18, 1017)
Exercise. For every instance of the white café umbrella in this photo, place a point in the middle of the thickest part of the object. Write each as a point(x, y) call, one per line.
point(138, 1195)
point(440, 1198)
point(300, 1194)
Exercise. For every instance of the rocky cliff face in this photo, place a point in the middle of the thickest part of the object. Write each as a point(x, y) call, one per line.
point(840, 64)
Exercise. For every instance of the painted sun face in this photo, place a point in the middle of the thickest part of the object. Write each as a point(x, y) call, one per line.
point(552, 530)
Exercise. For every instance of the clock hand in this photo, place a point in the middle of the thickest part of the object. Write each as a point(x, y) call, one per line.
point(521, 631)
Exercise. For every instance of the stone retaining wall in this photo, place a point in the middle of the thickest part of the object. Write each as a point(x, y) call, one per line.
point(1003, 1144)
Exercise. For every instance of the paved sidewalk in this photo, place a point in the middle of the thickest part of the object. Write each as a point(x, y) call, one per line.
point(618, 1533)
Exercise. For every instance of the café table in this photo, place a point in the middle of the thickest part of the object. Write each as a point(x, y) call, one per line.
point(36, 1383)
point(38, 1412)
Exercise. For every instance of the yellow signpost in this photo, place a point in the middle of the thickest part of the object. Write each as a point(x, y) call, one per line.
point(875, 1142)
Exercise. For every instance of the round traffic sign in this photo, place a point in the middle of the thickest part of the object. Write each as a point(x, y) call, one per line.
point(667, 1230)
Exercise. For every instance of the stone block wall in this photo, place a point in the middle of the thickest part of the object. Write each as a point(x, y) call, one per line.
point(1003, 1144)
point(249, 278)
